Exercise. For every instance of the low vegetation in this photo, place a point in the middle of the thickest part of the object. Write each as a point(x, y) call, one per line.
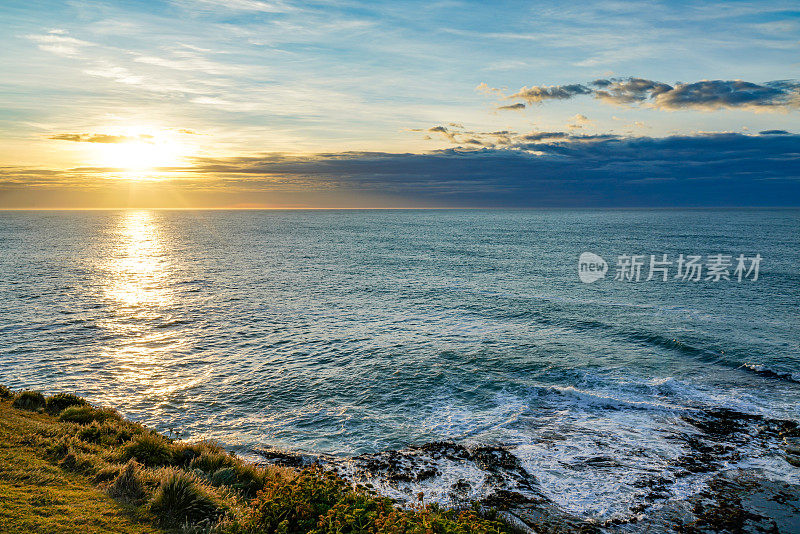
point(68, 466)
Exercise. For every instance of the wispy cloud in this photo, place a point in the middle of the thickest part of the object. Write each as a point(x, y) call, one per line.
point(58, 43)
point(101, 138)
point(247, 5)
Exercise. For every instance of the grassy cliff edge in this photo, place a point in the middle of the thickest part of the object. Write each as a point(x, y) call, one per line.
point(67, 466)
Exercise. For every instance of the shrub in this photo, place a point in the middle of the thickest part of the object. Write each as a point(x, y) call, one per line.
point(295, 505)
point(5, 393)
point(58, 402)
point(181, 498)
point(357, 512)
point(86, 414)
point(149, 449)
point(243, 477)
point(29, 400)
point(322, 503)
point(127, 486)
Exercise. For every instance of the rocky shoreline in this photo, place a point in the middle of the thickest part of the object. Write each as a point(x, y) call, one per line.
point(730, 499)
point(439, 481)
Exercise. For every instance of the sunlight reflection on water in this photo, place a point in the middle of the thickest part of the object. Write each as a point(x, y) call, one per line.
point(138, 279)
point(138, 272)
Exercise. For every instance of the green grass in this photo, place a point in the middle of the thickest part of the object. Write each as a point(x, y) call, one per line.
point(67, 466)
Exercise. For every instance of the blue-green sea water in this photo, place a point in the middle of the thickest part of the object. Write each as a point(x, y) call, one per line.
point(353, 332)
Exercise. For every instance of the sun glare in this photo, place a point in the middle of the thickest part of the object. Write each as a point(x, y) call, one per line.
point(137, 153)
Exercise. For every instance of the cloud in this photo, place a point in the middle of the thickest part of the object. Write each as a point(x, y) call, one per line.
point(248, 5)
point(773, 132)
point(542, 136)
point(716, 94)
point(706, 95)
point(507, 139)
point(444, 132)
point(101, 138)
point(628, 91)
point(513, 107)
point(457, 135)
point(58, 43)
point(578, 121)
point(486, 89)
point(537, 94)
point(104, 69)
point(555, 168)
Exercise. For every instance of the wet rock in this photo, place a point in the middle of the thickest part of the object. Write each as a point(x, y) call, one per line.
point(738, 501)
point(397, 466)
point(721, 423)
point(496, 458)
point(286, 458)
point(546, 518)
point(461, 488)
point(444, 449)
point(792, 445)
point(514, 523)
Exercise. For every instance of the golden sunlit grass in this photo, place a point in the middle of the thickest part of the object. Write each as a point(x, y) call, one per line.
point(38, 496)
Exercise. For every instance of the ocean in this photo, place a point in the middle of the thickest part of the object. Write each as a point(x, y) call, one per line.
point(355, 336)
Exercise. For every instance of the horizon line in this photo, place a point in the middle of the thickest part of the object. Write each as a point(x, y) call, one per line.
point(415, 208)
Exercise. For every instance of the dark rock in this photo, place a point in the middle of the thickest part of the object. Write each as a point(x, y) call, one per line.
point(275, 456)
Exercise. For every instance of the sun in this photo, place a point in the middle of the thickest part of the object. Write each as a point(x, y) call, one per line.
point(135, 152)
point(140, 156)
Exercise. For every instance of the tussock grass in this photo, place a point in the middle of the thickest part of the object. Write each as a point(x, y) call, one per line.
point(245, 478)
point(58, 402)
point(149, 449)
point(83, 415)
point(82, 462)
point(107, 433)
point(211, 461)
point(158, 483)
point(128, 486)
point(29, 400)
point(181, 498)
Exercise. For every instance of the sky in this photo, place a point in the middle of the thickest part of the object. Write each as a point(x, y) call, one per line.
point(347, 104)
